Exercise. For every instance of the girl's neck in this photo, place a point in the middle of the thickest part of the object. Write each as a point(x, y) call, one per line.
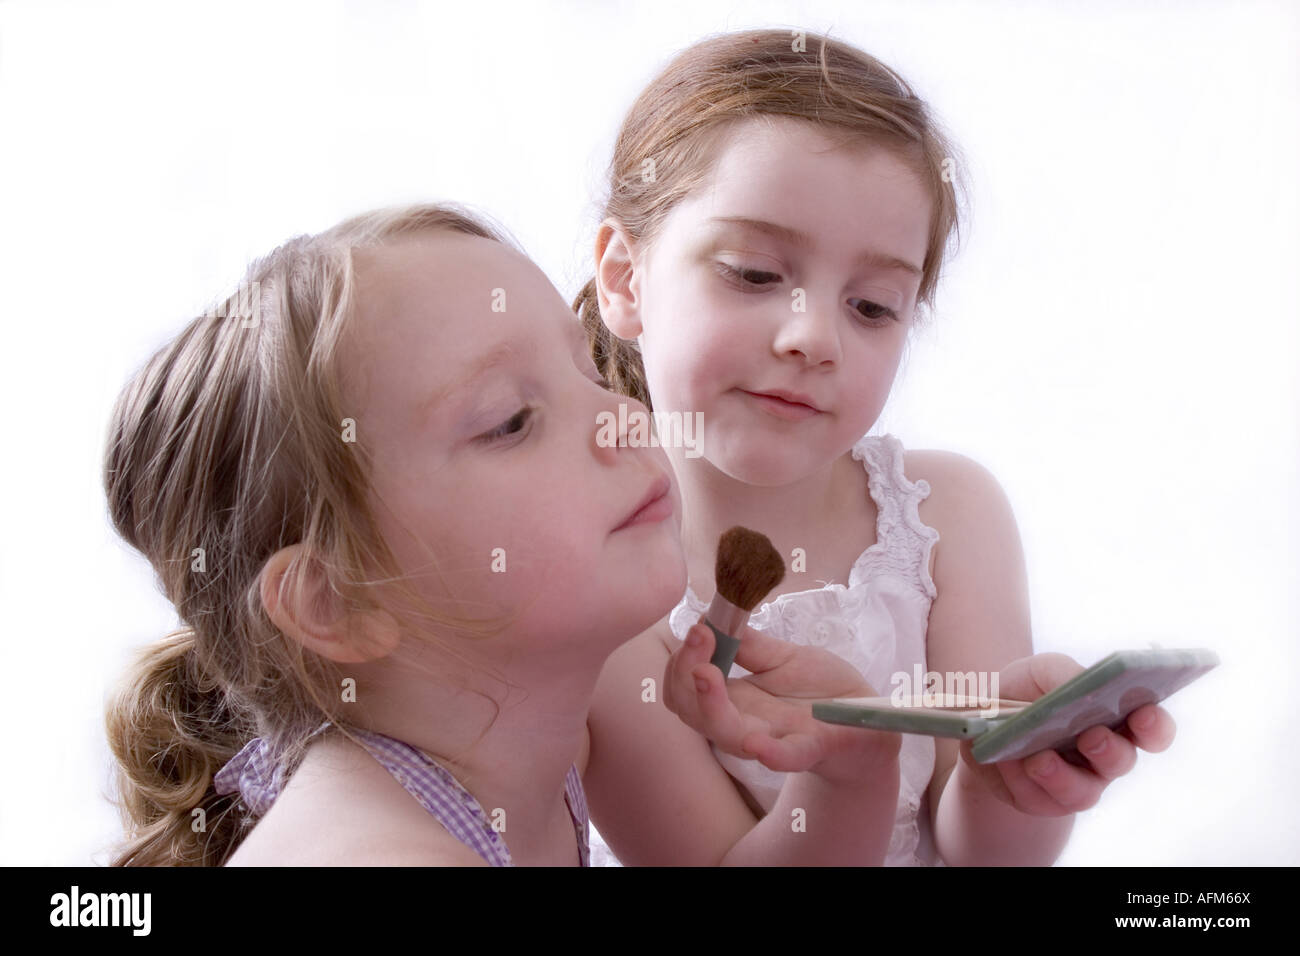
point(513, 759)
point(804, 514)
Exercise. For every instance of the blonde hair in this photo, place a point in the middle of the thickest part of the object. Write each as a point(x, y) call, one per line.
point(679, 122)
point(229, 440)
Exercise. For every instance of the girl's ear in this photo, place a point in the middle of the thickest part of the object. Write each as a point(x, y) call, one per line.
point(616, 281)
point(314, 616)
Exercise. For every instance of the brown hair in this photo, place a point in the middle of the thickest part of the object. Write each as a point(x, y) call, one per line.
point(224, 448)
point(680, 120)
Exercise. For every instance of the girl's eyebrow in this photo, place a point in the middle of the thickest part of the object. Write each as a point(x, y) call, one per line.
point(498, 356)
point(504, 354)
point(794, 237)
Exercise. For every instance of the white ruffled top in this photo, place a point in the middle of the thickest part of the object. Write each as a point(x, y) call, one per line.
point(877, 623)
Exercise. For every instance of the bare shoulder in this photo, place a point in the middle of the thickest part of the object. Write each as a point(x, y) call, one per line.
point(341, 808)
point(979, 620)
point(950, 476)
point(356, 849)
point(961, 489)
point(930, 466)
point(953, 477)
point(353, 849)
point(980, 553)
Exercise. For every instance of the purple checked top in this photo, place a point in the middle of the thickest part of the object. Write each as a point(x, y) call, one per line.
point(257, 776)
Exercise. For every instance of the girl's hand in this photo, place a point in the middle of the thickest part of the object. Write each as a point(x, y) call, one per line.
point(768, 715)
point(1045, 784)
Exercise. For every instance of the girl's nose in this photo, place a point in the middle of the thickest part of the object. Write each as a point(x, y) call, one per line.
point(811, 330)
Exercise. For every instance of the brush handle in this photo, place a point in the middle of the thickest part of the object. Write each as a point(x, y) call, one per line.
point(724, 654)
point(725, 619)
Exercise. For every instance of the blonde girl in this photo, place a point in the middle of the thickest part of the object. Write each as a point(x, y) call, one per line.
point(370, 482)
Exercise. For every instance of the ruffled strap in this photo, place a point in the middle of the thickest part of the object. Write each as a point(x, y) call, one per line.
point(904, 540)
point(256, 773)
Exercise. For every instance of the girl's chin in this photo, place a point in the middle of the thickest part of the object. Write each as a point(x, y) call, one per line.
point(660, 559)
point(771, 467)
point(760, 457)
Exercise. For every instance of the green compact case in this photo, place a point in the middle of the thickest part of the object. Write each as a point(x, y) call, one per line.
point(1106, 693)
point(913, 716)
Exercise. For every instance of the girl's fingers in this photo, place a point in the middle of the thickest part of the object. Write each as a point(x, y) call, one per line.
point(720, 721)
point(1027, 793)
point(865, 752)
point(1110, 754)
point(1069, 788)
point(696, 692)
point(760, 652)
point(698, 646)
point(680, 694)
point(789, 754)
point(1113, 754)
point(798, 670)
point(1151, 727)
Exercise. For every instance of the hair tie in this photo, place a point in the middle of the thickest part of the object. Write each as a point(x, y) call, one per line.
point(254, 774)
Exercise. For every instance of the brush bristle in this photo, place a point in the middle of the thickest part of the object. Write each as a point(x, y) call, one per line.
point(748, 567)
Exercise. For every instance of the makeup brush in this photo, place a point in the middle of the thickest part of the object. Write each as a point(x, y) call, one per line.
point(747, 569)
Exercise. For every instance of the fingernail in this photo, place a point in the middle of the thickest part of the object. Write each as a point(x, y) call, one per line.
point(1095, 748)
point(1044, 767)
point(1145, 722)
point(701, 685)
point(693, 638)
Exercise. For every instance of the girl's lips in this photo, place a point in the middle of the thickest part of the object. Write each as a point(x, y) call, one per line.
point(656, 511)
point(655, 506)
point(790, 411)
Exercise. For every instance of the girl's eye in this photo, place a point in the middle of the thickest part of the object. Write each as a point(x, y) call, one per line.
point(878, 313)
point(748, 277)
point(756, 278)
point(511, 426)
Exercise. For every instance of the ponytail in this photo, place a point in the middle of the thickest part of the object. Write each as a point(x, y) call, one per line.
point(225, 446)
point(171, 730)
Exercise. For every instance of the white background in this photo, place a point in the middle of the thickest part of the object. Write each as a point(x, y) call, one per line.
point(1116, 342)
